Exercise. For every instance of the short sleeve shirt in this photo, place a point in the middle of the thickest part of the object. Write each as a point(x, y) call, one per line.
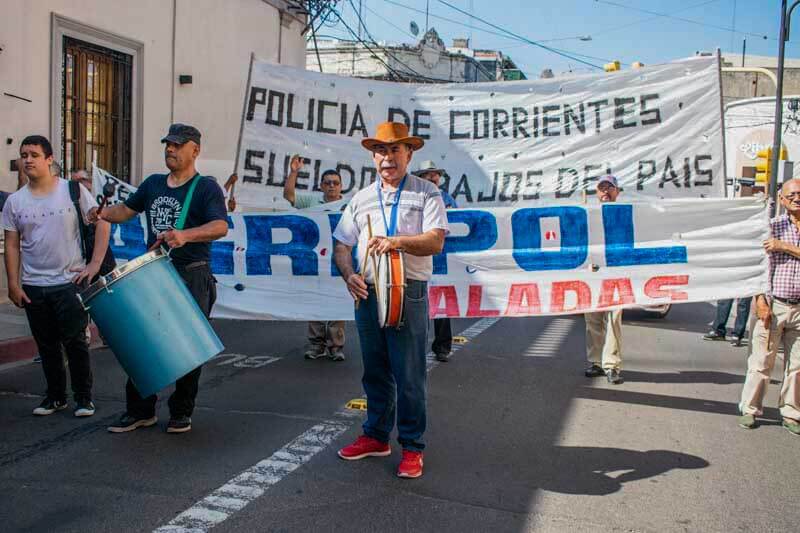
point(304, 201)
point(49, 234)
point(784, 269)
point(421, 209)
point(163, 204)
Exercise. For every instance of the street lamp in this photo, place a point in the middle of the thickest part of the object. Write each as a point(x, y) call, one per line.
point(786, 18)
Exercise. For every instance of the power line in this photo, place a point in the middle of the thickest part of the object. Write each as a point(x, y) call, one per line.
point(316, 47)
point(396, 73)
point(682, 19)
point(646, 19)
point(414, 72)
point(520, 37)
point(503, 35)
point(390, 23)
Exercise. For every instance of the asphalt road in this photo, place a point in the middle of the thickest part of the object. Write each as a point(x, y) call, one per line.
point(518, 440)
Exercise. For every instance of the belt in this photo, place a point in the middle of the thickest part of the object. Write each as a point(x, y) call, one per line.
point(191, 266)
point(788, 301)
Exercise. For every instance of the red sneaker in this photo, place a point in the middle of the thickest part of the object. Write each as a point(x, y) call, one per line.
point(365, 447)
point(410, 465)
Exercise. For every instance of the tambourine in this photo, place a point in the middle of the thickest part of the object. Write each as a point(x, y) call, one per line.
point(390, 288)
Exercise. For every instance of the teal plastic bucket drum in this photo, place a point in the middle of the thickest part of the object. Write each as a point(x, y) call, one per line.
point(150, 320)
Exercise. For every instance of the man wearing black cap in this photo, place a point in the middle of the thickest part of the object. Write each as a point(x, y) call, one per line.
point(162, 197)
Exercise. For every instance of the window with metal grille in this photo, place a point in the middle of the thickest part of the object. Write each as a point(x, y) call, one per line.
point(96, 108)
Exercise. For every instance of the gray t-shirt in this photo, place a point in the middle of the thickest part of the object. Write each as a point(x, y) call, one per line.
point(48, 233)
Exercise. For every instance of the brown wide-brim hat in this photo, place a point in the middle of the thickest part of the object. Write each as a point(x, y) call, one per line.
point(392, 133)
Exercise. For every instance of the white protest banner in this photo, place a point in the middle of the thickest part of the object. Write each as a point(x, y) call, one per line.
point(511, 261)
point(122, 235)
point(658, 129)
point(100, 178)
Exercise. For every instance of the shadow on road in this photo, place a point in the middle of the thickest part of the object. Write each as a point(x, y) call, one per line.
point(688, 376)
point(599, 471)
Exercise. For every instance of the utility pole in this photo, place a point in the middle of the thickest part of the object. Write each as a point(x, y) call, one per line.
point(776, 140)
point(744, 49)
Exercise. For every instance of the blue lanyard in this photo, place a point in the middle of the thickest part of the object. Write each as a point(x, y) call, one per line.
point(391, 226)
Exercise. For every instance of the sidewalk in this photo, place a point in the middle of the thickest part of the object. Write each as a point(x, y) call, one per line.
point(16, 343)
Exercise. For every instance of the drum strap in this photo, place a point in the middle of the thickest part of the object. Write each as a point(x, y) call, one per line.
point(391, 226)
point(185, 211)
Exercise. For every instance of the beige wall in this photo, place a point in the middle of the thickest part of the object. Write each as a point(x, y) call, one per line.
point(213, 41)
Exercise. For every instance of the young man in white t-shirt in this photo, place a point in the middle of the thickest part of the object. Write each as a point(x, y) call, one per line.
point(42, 234)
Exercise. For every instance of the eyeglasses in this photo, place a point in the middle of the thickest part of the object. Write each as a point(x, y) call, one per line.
point(331, 183)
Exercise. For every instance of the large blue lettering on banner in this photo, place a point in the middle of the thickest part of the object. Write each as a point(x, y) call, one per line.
point(620, 248)
point(482, 235)
point(222, 255)
point(527, 234)
point(300, 249)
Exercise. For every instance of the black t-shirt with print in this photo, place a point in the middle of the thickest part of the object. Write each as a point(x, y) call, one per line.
point(162, 205)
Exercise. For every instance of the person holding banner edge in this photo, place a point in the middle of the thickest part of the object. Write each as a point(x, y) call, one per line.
point(185, 211)
point(324, 338)
point(778, 314)
point(394, 378)
point(604, 328)
point(442, 330)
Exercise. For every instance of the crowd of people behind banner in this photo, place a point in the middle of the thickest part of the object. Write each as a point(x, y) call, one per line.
point(47, 266)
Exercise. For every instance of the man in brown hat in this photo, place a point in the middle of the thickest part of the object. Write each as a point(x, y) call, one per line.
point(407, 214)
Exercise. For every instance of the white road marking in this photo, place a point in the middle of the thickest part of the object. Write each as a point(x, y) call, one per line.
point(253, 482)
point(548, 342)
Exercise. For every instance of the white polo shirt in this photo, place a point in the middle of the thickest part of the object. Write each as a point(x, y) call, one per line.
point(421, 209)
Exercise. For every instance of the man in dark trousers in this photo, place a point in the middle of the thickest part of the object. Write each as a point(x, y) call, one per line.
point(42, 234)
point(718, 329)
point(162, 197)
point(442, 346)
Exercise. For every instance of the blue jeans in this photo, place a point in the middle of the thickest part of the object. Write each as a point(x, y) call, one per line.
point(742, 314)
point(394, 368)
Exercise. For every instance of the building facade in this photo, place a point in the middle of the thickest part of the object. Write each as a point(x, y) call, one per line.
point(428, 61)
point(744, 85)
point(104, 79)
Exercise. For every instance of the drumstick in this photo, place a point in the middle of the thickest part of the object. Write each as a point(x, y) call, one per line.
point(108, 192)
point(364, 262)
point(363, 272)
point(374, 261)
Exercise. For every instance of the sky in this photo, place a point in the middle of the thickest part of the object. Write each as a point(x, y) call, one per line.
point(623, 30)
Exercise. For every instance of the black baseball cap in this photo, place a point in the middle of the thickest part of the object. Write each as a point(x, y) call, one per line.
point(181, 133)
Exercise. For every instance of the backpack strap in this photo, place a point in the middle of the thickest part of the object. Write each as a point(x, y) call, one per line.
point(75, 196)
point(186, 203)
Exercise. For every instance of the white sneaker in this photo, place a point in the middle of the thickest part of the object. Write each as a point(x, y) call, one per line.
point(48, 407)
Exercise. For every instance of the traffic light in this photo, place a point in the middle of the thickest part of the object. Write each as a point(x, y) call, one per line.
point(611, 67)
point(764, 164)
